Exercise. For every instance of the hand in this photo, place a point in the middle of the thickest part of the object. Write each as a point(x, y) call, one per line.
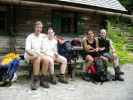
point(101, 49)
point(35, 55)
point(114, 54)
point(97, 49)
point(32, 57)
point(113, 50)
point(56, 55)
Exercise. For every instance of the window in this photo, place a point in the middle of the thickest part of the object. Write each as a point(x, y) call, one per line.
point(2, 22)
point(66, 25)
point(64, 22)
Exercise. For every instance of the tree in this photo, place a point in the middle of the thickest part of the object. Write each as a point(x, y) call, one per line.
point(128, 4)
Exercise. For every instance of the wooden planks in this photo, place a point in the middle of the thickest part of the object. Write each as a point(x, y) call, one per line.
point(20, 44)
point(4, 44)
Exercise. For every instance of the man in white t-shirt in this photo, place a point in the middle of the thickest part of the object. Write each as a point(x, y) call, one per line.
point(33, 54)
point(50, 49)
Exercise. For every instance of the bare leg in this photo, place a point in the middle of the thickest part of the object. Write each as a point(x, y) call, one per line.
point(63, 62)
point(44, 70)
point(88, 61)
point(36, 72)
point(63, 67)
point(36, 66)
point(53, 79)
point(51, 65)
point(45, 63)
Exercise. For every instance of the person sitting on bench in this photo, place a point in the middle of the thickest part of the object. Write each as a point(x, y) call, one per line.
point(50, 50)
point(90, 47)
point(105, 45)
point(33, 55)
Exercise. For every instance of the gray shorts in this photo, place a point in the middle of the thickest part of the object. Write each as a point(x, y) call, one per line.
point(108, 55)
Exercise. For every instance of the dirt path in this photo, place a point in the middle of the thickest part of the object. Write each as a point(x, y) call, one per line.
point(75, 90)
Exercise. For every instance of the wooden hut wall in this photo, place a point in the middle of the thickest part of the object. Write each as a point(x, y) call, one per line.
point(26, 16)
point(25, 19)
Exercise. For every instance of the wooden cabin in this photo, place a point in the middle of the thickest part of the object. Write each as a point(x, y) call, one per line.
point(67, 17)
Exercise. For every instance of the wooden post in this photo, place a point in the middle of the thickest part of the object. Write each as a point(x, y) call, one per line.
point(11, 28)
point(132, 15)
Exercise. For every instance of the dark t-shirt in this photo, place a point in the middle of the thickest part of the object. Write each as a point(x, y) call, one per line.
point(93, 45)
point(104, 43)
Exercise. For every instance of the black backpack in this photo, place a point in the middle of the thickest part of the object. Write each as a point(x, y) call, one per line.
point(101, 70)
point(102, 74)
point(65, 49)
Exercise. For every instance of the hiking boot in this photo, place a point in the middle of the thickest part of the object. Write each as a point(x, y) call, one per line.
point(53, 79)
point(86, 76)
point(118, 77)
point(118, 71)
point(34, 82)
point(44, 81)
point(62, 79)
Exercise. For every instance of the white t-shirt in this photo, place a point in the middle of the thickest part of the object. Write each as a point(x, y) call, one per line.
point(49, 47)
point(34, 43)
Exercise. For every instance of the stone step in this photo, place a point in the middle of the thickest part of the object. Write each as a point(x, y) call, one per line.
point(130, 35)
point(129, 45)
point(130, 49)
point(129, 38)
point(129, 41)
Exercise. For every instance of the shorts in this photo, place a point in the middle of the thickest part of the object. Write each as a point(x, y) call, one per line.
point(108, 55)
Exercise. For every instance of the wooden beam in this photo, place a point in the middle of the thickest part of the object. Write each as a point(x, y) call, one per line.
point(11, 28)
point(72, 8)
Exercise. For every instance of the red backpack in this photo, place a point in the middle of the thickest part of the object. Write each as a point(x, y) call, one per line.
point(91, 69)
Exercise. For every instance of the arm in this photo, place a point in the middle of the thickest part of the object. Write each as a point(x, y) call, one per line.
point(28, 47)
point(97, 46)
point(112, 48)
point(44, 46)
point(55, 48)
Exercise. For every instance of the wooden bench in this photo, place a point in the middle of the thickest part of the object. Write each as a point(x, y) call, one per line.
point(19, 47)
point(26, 68)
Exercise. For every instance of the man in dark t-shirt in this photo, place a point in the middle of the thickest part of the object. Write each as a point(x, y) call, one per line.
point(107, 52)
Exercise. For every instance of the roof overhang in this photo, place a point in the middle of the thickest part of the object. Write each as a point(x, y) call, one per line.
point(67, 7)
point(113, 5)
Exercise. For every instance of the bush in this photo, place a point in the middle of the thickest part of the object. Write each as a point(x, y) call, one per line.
point(119, 41)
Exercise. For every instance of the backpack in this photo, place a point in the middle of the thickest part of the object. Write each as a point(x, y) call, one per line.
point(102, 74)
point(8, 68)
point(76, 42)
point(65, 49)
point(8, 58)
point(101, 70)
point(7, 72)
point(91, 69)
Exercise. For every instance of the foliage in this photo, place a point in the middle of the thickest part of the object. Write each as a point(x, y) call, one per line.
point(119, 39)
point(127, 3)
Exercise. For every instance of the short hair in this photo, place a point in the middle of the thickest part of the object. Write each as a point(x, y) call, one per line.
point(38, 23)
point(103, 30)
